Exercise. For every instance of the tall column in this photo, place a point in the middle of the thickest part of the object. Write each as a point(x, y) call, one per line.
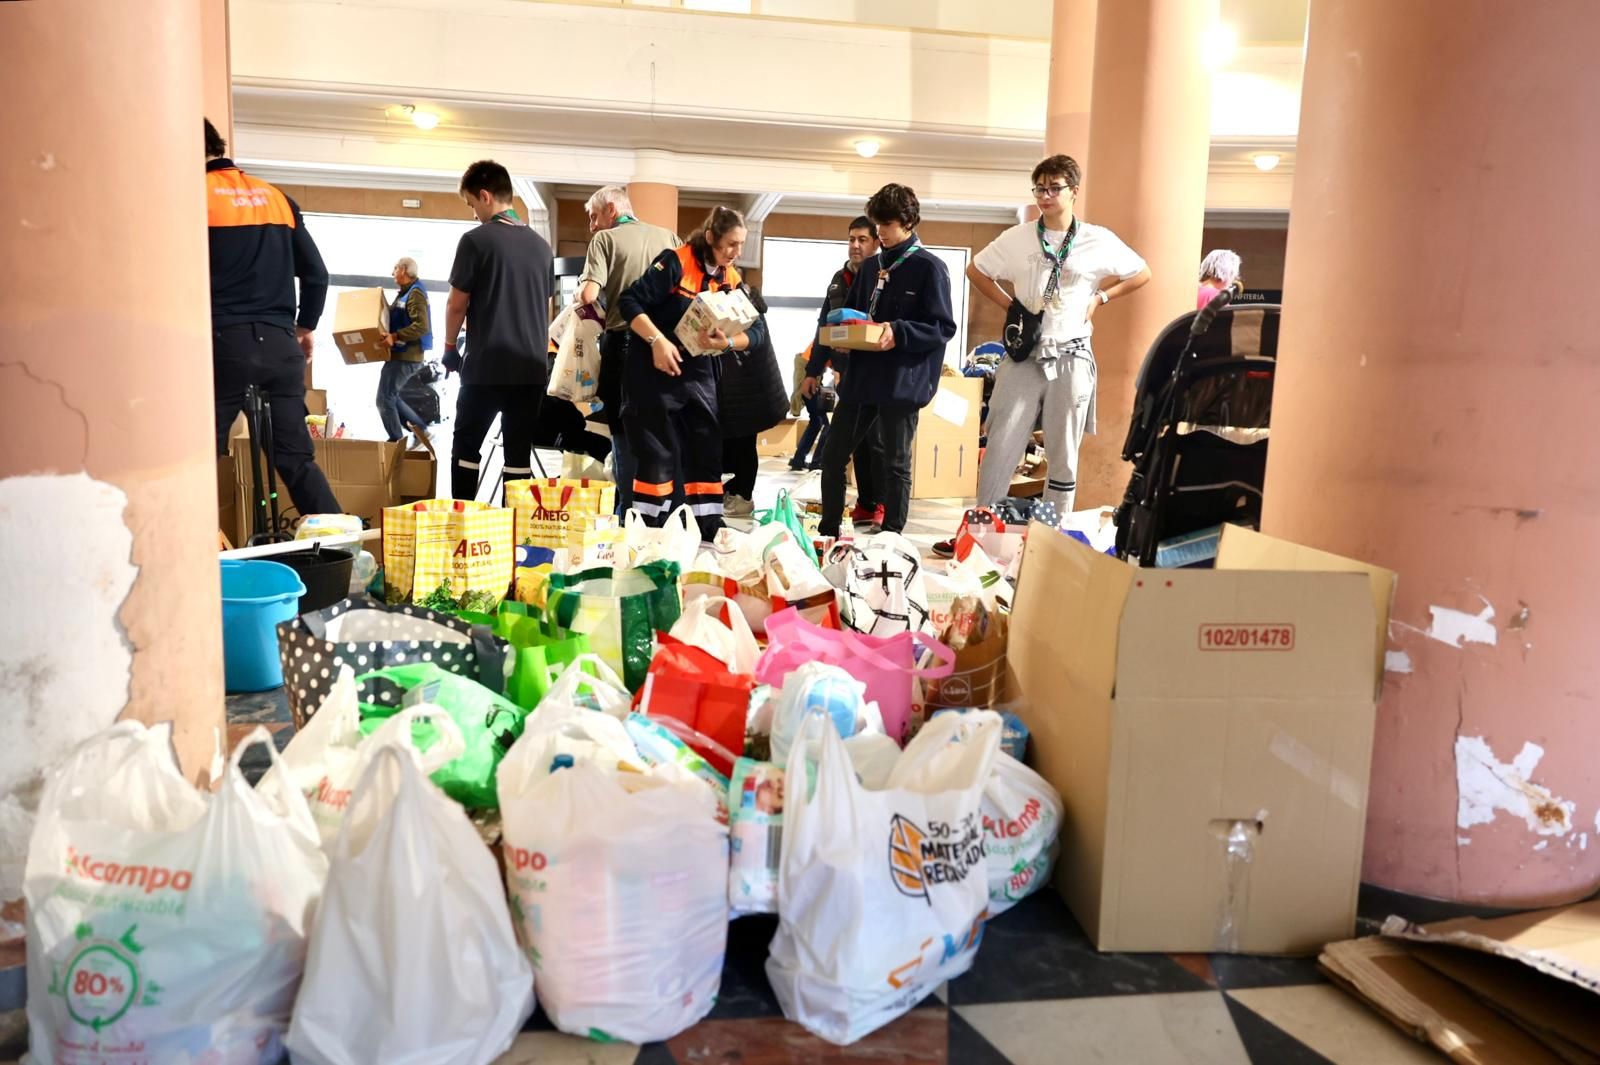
point(1066, 121)
point(655, 203)
point(1434, 414)
point(216, 66)
point(1149, 140)
point(108, 526)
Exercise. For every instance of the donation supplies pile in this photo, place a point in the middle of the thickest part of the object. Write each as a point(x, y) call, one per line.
point(550, 763)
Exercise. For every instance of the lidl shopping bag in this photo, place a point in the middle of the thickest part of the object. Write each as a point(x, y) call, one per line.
point(162, 917)
point(619, 610)
point(620, 886)
point(447, 554)
point(489, 724)
point(413, 957)
point(559, 512)
point(881, 893)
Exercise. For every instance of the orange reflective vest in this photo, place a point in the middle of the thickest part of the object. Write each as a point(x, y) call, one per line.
point(695, 280)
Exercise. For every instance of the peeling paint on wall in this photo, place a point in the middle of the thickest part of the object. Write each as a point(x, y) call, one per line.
point(66, 551)
point(1396, 662)
point(1458, 628)
point(1485, 786)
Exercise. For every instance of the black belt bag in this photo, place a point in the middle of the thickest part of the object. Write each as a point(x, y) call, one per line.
point(1022, 330)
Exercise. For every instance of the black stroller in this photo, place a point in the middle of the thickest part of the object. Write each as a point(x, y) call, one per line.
point(1202, 410)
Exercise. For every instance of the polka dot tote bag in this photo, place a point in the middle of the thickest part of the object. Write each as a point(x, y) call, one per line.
point(367, 635)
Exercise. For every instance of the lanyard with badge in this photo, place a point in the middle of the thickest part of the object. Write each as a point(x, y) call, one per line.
point(508, 217)
point(1056, 260)
point(883, 274)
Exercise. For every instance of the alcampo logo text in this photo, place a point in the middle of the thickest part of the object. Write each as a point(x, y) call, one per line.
point(152, 878)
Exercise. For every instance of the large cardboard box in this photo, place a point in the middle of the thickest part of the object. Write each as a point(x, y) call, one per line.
point(419, 473)
point(861, 336)
point(944, 457)
point(360, 320)
point(782, 439)
point(1210, 732)
point(363, 474)
point(228, 502)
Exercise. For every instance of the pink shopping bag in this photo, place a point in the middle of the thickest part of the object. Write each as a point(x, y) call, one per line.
point(887, 665)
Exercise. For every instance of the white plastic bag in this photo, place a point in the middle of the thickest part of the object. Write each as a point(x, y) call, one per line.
point(413, 958)
point(730, 642)
point(562, 726)
point(881, 893)
point(620, 885)
point(820, 687)
point(601, 690)
point(882, 585)
point(1022, 823)
point(575, 375)
point(161, 917)
point(676, 541)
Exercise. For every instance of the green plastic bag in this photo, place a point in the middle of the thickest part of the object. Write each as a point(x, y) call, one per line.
point(489, 724)
point(619, 611)
point(785, 513)
point(539, 649)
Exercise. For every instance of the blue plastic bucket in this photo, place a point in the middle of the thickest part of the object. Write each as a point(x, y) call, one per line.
point(256, 595)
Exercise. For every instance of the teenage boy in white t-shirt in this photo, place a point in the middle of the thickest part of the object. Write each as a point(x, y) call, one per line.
point(1058, 265)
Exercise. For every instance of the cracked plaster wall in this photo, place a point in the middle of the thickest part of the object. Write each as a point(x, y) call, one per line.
point(107, 479)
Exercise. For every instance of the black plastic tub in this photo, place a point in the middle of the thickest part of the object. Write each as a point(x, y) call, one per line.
point(325, 571)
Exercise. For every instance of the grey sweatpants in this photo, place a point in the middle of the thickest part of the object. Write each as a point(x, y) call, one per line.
point(1024, 390)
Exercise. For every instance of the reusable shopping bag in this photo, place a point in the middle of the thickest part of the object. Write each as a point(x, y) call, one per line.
point(488, 722)
point(979, 638)
point(983, 528)
point(538, 650)
point(620, 611)
point(163, 917)
point(886, 665)
point(413, 957)
point(881, 893)
point(365, 634)
point(447, 554)
point(691, 685)
point(786, 512)
point(559, 512)
point(619, 882)
point(882, 584)
point(676, 541)
point(575, 375)
point(794, 579)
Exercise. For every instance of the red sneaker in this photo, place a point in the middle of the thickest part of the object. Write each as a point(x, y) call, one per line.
point(877, 516)
point(860, 514)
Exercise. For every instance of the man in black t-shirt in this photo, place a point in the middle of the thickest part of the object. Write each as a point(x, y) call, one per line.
point(500, 286)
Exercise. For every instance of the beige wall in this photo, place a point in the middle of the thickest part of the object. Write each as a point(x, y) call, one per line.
point(328, 199)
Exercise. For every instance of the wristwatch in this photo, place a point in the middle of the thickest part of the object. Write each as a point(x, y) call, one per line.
point(1104, 299)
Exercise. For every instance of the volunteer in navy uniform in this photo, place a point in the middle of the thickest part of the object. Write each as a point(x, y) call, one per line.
point(259, 245)
point(1068, 269)
point(907, 289)
point(669, 401)
point(500, 287)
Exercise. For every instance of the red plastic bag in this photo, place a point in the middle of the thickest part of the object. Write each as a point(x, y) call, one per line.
point(694, 687)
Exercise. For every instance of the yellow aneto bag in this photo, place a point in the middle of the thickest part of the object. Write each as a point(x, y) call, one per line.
point(557, 512)
point(447, 554)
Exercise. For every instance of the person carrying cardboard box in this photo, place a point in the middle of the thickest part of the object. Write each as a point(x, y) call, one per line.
point(259, 246)
point(1059, 267)
point(669, 397)
point(410, 337)
point(906, 289)
point(501, 280)
point(868, 458)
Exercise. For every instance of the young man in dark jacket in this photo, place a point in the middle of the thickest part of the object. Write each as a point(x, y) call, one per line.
point(906, 289)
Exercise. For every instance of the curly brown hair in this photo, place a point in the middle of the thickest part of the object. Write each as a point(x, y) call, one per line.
point(895, 203)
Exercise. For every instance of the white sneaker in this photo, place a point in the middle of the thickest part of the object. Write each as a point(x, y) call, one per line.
point(737, 506)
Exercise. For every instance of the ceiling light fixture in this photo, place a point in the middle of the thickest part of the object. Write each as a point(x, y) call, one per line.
point(868, 147)
point(1266, 161)
point(421, 119)
point(1220, 44)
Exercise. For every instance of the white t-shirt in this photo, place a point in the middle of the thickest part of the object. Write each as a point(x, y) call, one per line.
point(1097, 253)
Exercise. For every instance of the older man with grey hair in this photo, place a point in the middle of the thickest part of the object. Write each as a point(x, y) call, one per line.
point(410, 336)
point(620, 251)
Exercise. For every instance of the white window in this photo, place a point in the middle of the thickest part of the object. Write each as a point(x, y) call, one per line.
point(794, 280)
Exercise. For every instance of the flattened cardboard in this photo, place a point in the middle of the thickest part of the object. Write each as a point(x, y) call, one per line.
point(1561, 1015)
point(1430, 1007)
point(360, 320)
point(1170, 707)
point(862, 336)
point(944, 456)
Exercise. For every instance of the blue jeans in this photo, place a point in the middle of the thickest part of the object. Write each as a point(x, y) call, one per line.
point(817, 408)
point(391, 408)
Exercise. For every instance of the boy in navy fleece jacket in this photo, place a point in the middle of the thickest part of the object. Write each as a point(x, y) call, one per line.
point(907, 289)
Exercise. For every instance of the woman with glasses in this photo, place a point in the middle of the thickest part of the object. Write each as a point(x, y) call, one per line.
point(1062, 271)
